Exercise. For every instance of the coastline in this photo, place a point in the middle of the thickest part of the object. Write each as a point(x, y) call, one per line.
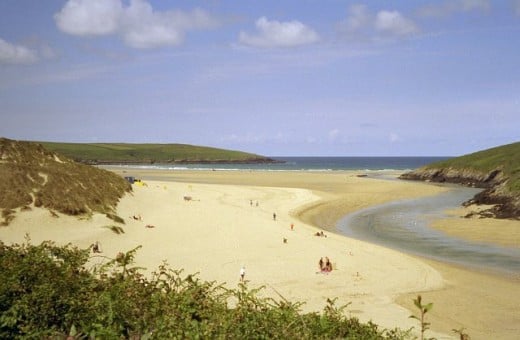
point(471, 289)
point(219, 231)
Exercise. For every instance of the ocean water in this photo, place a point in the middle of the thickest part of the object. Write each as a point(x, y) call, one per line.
point(311, 164)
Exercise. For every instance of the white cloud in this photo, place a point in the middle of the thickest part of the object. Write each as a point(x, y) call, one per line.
point(394, 137)
point(358, 18)
point(16, 54)
point(361, 24)
point(144, 28)
point(310, 140)
point(137, 24)
point(279, 34)
point(251, 138)
point(333, 134)
point(89, 17)
point(454, 6)
point(394, 24)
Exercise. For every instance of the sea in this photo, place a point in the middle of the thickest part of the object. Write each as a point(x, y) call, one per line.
point(310, 164)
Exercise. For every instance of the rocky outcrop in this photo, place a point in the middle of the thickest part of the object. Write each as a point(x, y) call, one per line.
point(506, 204)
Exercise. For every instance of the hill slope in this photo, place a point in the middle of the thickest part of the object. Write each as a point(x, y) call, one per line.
point(32, 175)
point(95, 153)
point(497, 170)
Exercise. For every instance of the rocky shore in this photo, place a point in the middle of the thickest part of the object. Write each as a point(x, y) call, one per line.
point(505, 203)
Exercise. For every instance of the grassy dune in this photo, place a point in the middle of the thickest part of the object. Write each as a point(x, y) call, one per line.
point(33, 176)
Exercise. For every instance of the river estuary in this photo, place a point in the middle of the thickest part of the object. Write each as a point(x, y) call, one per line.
point(404, 226)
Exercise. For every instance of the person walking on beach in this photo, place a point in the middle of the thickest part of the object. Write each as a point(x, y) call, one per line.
point(242, 273)
point(321, 264)
point(274, 216)
point(292, 226)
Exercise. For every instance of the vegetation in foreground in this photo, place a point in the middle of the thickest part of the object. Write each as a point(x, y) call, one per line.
point(34, 176)
point(47, 291)
point(98, 153)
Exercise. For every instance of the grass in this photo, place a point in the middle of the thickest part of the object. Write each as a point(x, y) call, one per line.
point(116, 229)
point(505, 158)
point(115, 218)
point(33, 175)
point(148, 153)
point(497, 170)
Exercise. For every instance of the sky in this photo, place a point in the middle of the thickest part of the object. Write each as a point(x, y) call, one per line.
point(276, 78)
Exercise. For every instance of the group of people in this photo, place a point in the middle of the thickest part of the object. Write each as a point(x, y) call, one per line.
point(95, 247)
point(325, 266)
point(320, 233)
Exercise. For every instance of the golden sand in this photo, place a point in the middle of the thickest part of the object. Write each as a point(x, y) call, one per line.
point(227, 223)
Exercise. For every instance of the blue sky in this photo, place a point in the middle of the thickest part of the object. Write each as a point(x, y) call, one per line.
point(277, 78)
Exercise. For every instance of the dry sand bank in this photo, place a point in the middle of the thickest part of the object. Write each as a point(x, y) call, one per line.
point(218, 231)
point(495, 231)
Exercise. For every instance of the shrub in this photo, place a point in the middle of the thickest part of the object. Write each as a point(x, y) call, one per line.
point(47, 291)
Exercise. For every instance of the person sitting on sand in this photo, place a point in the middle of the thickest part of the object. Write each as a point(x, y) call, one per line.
point(328, 265)
point(95, 247)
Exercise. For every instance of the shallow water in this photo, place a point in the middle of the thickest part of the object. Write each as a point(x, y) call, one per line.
point(403, 225)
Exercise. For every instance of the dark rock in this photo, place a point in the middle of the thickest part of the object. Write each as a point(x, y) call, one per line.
point(506, 205)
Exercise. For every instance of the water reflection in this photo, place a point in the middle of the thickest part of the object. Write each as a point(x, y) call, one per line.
point(403, 225)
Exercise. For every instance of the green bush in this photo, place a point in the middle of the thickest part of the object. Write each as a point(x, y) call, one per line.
point(47, 291)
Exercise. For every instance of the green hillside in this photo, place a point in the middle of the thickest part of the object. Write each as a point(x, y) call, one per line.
point(504, 158)
point(149, 153)
point(497, 170)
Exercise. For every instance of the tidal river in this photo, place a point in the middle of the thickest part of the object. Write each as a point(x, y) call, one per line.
point(404, 226)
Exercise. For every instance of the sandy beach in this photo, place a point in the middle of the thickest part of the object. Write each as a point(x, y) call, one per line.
point(228, 222)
